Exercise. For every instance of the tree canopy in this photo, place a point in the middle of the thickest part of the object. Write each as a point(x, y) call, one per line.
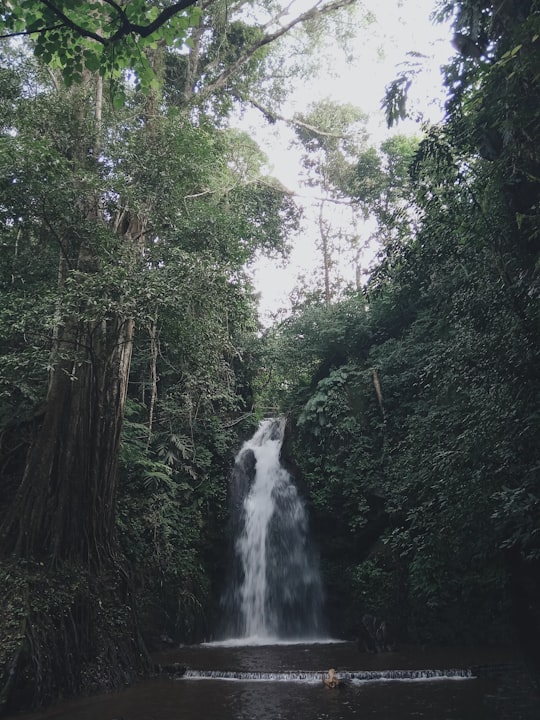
point(101, 34)
point(132, 363)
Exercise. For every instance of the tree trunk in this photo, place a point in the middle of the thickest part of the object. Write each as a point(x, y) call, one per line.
point(154, 351)
point(64, 509)
point(79, 622)
point(73, 591)
point(326, 257)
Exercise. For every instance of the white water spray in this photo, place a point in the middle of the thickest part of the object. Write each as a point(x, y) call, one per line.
point(276, 590)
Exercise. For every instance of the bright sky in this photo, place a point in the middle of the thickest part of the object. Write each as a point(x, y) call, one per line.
point(399, 27)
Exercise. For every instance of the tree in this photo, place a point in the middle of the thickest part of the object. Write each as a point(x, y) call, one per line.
point(41, 18)
point(493, 75)
point(329, 135)
point(112, 38)
point(379, 184)
point(405, 439)
point(104, 194)
point(101, 34)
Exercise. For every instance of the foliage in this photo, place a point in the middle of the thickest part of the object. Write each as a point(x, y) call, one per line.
point(329, 134)
point(417, 446)
point(100, 36)
point(379, 184)
point(413, 402)
point(141, 217)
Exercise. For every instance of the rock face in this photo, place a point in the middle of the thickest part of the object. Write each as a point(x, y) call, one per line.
point(375, 635)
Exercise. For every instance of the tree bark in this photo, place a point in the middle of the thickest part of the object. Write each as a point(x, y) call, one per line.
point(64, 509)
point(154, 350)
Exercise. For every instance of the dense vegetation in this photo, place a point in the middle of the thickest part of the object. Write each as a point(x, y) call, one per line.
point(131, 362)
point(414, 402)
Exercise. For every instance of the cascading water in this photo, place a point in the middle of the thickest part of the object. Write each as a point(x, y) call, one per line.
point(275, 592)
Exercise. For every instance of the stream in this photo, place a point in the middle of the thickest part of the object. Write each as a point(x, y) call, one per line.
point(284, 682)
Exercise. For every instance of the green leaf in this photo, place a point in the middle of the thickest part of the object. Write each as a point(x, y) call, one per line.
point(118, 99)
point(92, 61)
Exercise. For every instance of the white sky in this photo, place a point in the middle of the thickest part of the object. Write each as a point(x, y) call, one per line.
point(400, 27)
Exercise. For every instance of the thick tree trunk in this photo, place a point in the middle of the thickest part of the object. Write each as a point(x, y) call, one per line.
point(64, 509)
point(70, 607)
point(70, 616)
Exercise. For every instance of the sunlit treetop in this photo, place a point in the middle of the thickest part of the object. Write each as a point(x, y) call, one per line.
point(108, 36)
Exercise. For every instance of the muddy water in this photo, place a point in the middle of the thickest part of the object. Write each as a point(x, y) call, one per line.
point(497, 688)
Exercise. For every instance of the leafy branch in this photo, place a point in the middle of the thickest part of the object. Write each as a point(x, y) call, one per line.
point(124, 26)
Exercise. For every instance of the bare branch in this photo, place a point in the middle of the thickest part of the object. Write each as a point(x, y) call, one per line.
point(53, 78)
point(245, 416)
point(280, 14)
point(31, 32)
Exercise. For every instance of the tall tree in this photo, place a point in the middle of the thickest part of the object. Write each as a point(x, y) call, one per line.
point(330, 135)
point(106, 192)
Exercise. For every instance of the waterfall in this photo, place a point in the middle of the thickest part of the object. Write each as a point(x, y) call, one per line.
point(275, 591)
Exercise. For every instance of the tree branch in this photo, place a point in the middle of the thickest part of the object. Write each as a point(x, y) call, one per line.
point(167, 14)
point(31, 32)
point(317, 10)
point(280, 14)
point(68, 22)
point(126, 26)
point(124, 20)
point(272, 116)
